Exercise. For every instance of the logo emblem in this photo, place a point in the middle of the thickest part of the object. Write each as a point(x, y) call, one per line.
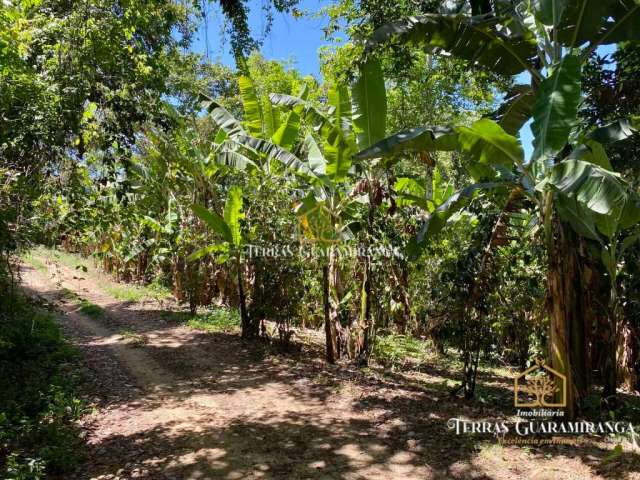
point(540, 386)
point(317, 226)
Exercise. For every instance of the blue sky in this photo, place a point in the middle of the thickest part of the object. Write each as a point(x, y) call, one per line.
point(297, 40)
point(290, 39)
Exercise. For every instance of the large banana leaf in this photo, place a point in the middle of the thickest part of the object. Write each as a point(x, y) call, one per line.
point(369, 104)
point(214, 221)
point(223, 119)
point(338, 161)
point(287, 133)
point(306, 109)
point(592, 152)
point(315, 158)
point(613, 132)
point(233, 159)
point(418, 139)
point(411, 192)
point(218, 248)
point(556, 108)
point(599, 21)
point(489, 144)
point(516, 109)
point(273, 151)
point(233, 214)
point(571, 211)
point(338, 99)
point(602, 195)
point(549, 12)
point(476, 39)
point(320, 122)
point(271, 117)
point(251, 106)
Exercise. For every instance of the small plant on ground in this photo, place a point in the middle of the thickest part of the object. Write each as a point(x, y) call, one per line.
point(133, 338)
point(91, 309)
point(396, 349)
point(216, 320)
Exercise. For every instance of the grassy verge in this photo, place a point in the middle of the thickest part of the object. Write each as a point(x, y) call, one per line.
point(216, 320)
point(396, 349)
point(135, 293)
point(120, 291)
point(212, 320)
point(70, 260)
point(35, 262)
point(38, 395)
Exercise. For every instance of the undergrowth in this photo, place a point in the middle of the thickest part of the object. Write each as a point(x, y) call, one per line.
point(216, 320)
point(396, 349)
point(91, 309)
point(39, 381)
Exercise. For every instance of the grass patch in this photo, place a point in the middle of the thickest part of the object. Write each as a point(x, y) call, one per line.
point(216, 320)
point(67, 294)
point(36, 263)
point(91, 309)
point(125, 293)
point(120, 291)
point(135, 293)
point(70, 260)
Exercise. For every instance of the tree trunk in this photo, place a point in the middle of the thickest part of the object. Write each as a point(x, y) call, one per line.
point(567, 329)
point(330, 334)
point(335, 289)
point(361, 329)
point(364, 327)
point(248, 329)
point(627, 353)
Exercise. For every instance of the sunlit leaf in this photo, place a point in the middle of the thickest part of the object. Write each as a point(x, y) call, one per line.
point(556, 108)
point(233, 214)
point(369, 104)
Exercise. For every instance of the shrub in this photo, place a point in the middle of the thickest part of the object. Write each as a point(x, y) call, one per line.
point(38, 400)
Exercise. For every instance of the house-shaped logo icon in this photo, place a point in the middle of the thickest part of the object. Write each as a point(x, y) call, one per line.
point(316, 225)
point(540, 386)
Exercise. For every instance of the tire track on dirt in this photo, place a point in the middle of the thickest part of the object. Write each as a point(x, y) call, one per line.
point(217, 412)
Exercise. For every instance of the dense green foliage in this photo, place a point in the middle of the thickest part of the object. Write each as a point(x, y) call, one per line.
point(38, 394)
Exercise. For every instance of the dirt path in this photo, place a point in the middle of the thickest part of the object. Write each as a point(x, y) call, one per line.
point(185, 404)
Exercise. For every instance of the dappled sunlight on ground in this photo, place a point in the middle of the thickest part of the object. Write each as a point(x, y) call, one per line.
point(181, 403)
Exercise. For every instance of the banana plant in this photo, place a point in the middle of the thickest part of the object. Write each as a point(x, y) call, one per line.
point(229, 249)
point(262, 138)
point(354, 118)
point(567, 177)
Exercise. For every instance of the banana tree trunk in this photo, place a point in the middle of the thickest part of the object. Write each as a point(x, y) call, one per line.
point(627, 356)
point(331, 346)
point(567, 329)
point(248, 329)
point(335, 294)
point(363, 335)
point(360, 332)
point(611, 364)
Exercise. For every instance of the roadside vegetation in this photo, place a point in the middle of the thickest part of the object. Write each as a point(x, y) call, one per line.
point(39, 394)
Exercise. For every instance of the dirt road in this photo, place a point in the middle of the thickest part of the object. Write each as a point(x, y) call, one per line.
point(178, 403)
